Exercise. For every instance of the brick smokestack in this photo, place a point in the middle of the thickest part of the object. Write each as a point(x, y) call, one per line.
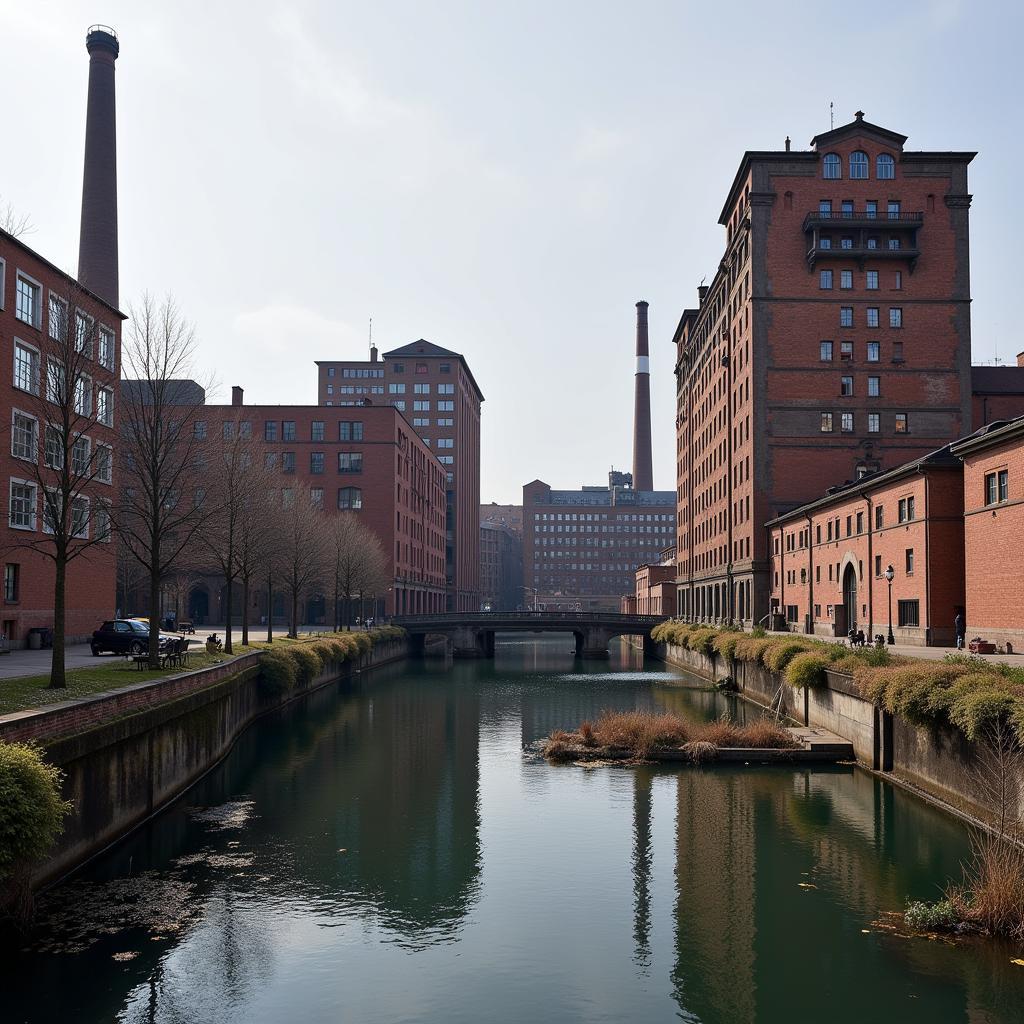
point(97, 241)
point(643, 474)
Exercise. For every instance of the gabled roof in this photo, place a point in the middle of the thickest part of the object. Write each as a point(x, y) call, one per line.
point(422, 347)
point(990, 435)
point(858, 126)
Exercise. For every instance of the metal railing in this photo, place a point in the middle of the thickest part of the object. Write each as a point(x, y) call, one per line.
point(474, 618)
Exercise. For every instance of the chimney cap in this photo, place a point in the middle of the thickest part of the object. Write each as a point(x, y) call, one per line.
point(102, 36)
point(642, 302)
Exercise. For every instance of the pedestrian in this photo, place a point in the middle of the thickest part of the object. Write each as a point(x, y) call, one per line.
point(960, 628)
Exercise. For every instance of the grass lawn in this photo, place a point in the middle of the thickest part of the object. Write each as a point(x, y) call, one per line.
point(21, 694)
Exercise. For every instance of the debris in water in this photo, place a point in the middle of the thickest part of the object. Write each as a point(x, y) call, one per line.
point(125, 956)
point(1019, 963)
point(807, 885)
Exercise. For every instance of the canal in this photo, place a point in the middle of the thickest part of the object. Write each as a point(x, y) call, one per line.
point(387, 852)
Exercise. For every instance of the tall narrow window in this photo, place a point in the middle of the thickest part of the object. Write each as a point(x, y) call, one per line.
point(895, 316)
point(846, 279)
point(833, 166)
point(846, 316)
point(846, 423)
point(873, 423)
point(826, 422)
point(885, 166)
point(871, 208)
point(901, 423)
point(858, 164)
point(846, 386)
point(825, 207)
point(871, 280)
point(826, 351)
point(872, 316)
point(825, 280)
point(893, 209)
point(874, 387)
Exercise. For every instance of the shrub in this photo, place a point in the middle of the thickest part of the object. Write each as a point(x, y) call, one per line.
point(723, 733)
point(764, 734)
point(700, 751)
point(308, 663)
point(558, 751)
point(975, 711)
point(749, 648)
point(587, 734)
point(277, 673)
point(780, 652)
point(759, 632)
point(941, 915)
point(908, 690)
point(32, 810)
point(725, 643)
point(639, 731)
point(700, 641)
point(807, 670)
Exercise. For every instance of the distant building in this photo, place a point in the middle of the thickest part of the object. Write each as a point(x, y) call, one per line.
point(501, 568)
point(435, 390)
point(655, 590)
point(997, 392)
point(581, 548)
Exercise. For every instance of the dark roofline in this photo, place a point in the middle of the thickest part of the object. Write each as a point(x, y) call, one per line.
point(441, 353)
point(989, 436)
point(921, 155)
point(768, 156)
point(7, 236)
point(941, 458)
point(858, 124)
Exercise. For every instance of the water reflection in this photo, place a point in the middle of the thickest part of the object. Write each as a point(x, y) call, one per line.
point(386, 852)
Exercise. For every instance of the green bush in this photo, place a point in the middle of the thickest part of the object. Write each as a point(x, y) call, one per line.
point(931, 917)
point(700, 640)
point(749, 648)
point(277, 673)
point(32, 811)
point(759, 632)
point(725, 643)
point(807, 670)
point(779, 653)
point(308, 663)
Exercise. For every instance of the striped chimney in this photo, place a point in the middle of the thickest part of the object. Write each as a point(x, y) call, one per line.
point(97, 240)
point(643, 474)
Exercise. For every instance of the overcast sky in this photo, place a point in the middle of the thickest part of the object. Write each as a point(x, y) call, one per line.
point(505, 180)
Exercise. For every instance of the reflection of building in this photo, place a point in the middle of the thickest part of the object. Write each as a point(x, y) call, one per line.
point(436, 391)
point(501, 562)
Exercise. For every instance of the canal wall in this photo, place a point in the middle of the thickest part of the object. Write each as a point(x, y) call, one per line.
point(936, 761)
point(127, 754)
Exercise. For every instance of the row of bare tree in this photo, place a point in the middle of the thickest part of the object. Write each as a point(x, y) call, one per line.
point(182, 500)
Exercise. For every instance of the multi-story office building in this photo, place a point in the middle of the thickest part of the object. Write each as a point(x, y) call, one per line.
point(581, 548)
point(834, 341)
point(501, 557)
point(435, 390)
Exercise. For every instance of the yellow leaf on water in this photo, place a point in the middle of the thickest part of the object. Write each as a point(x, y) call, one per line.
point(1019, 963)
point(807, 885)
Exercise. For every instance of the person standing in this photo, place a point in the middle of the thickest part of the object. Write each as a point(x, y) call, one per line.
point(960, 628)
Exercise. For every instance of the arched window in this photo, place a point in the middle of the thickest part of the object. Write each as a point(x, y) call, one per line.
point(833, 166)
point(885, 166)
point(858, 164)
point(350, 498)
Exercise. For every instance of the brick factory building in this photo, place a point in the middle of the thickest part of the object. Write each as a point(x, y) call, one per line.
point(997, 392)
point(655, 592)
point(581, 548)
point(501, 557)
point(436, 391)
point(993, 488)
point(828, 558)
point(833, 342)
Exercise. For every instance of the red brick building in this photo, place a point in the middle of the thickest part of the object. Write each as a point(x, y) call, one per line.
point(436, 391)
point(833, 342)
point(581, 548)
point(655, 591)
point(36, 298)
point(364, 459)
point(993, 490)
point(829, 557)
point(997, 392)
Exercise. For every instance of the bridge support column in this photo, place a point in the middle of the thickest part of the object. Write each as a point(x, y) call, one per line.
point(592, 643)
point(417, 644)
point(468, 643)
point(488, 643)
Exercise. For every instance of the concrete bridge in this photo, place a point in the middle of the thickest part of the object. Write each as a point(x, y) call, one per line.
point(471, 634)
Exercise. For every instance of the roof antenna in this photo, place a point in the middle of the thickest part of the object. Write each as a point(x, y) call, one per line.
point(831, 115)
point(373, 351)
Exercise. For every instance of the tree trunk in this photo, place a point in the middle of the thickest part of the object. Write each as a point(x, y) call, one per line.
point(270, 606)
point(294, 634)
point(227, 615)
point(245, 610)
point(154, 617)
point(58, 679)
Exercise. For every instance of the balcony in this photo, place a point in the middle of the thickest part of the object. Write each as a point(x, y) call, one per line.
point(861, 255)
point(861, 218)
point(868, 234)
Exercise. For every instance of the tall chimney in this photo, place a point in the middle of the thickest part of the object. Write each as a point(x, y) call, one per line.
point(97, 241)
point(643, 474)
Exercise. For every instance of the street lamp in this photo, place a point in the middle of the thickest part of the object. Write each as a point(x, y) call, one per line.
point(535, 592)
point(890, 573)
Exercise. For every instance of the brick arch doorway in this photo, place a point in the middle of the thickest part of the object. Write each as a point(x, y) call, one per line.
point(850, 597)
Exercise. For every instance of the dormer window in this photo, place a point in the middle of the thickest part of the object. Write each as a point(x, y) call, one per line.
point(833, 166)
point(858, 164)
point(885, 166)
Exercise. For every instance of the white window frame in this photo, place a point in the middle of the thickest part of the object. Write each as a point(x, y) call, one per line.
point(103, 537)
point(35, 442)
point(86, 382)
point(84, 347)
point(34, 514)
point(14, 370)
point(54, 297)
point(108, 420)
point(46, 448)
point(51, 395)
point(111, 361)
point(45, 528)
point(77, 467)
point(84, 534)
point(37, 323)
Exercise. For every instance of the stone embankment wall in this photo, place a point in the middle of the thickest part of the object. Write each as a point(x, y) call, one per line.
point(938, 761)
point(127, 754)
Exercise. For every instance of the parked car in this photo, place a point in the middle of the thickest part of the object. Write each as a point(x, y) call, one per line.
point(122, 636)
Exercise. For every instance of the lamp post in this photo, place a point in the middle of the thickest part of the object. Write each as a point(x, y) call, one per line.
point(890, 573)
point(534, 591)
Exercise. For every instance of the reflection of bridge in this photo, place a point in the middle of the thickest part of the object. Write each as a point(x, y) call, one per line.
point(472, 633)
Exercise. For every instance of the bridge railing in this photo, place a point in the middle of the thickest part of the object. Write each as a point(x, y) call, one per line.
point(594, 618)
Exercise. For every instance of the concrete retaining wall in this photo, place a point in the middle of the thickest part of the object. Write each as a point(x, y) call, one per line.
point(938, 761)
point(129, 753)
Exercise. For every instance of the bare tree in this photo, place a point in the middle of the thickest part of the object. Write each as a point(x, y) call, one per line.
point(258, 539)
point(64, 411)
point(302, 553)
point(178, 589)
point(14, 223)
point(129, 576)
point(163, 501)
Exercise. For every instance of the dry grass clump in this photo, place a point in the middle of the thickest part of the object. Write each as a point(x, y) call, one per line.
point(639, 731)
point(559, 751)
point(700, 751)
point(765, 734)
point(587, 735)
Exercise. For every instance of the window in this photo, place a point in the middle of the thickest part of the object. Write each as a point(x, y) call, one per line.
point(421, 406)
point(906, 510)
point(908, 561)
point(446, 460)
point(872, 242)
point(874, 351)
point(885, 166)
point(399, 367)
point(874, 384)
point(104, 463)
point(832, 165)
point(106, 348)
point(1004, 485)
point(58, 317)
point(270, 430)
point(26, 368)
point(83, 333)
point(445, 421)
point(897, 351)
point(894, 243)
point(399, 405)
point(421, 389)
point(80, 455)
point(396, 389)
point(421, 421)
point(245, 430)
point(316, 430)
point(53, 452)
point(199, 430)
point(846, 279)
point(871, 280)
point(445, 442)
point(846, 316)
point(872, 315)
point(288, 430)
point(104, 406)
point(24, 436)
point(847, 207)
point(901, 423)
point(270, 460)
point(846, 386)
point(897, 283)
point(11, 573)
point(873, 423)
point(350, 498)
point(421, 367)
point(846, 350)
point(896, 316)
point(350, 430)
point(27, 301)
point(858, 164)
point(446, 389)
point(871, 208)
point(446, 367)
point(55, 381)
point(330, 390)
point(101, 522)
point(316, 463)
point(825, 280)
point(846, 422)
point(996, 487)
point(825, 207)
point(330, 371)
point(826, 351)
point(22, 506)
point(316, 497)
point(846, 242)
point(825, 242)
point(860, 522)
point(350, 462)
point(879, 517)
point(908, 613)
point(826, 422)
point(894, 209)
point(227, 431)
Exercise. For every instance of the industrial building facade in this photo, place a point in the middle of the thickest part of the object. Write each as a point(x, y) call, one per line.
point(833, 342)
